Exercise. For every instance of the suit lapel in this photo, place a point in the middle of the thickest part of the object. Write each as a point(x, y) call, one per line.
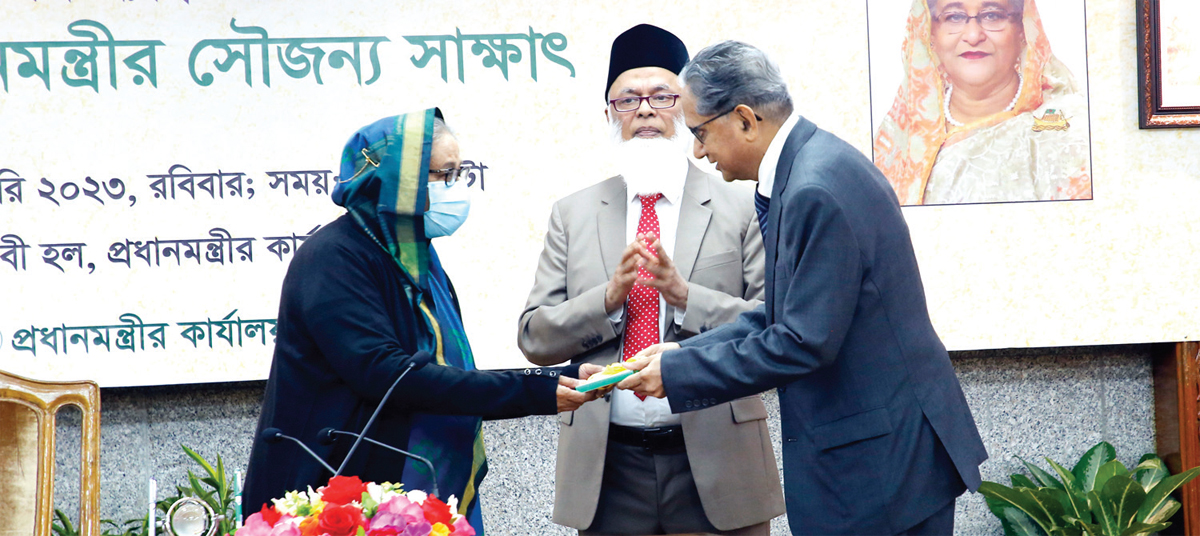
point(693, 221)
point(796, 139)
point(610, 224)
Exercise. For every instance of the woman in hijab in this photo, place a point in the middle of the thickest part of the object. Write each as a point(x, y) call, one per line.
point(985, 112)
point(363, 299)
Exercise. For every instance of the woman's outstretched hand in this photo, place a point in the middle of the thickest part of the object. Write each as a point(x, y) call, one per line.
point(568, 398)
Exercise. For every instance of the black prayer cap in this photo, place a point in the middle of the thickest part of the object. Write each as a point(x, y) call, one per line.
point(645, 46)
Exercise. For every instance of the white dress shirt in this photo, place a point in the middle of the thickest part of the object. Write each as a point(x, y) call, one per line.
point(770, 161)
point(627, 409)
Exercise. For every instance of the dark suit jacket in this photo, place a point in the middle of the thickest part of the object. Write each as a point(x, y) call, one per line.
point(877, 432)
point(345, 332)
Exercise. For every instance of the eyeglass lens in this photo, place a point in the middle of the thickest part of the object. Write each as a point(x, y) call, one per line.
point(660, 101)
point(992, 21)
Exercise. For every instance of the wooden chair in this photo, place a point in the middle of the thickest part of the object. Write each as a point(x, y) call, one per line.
point(27, 417)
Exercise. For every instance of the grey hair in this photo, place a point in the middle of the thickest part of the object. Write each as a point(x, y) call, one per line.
point(730, 73)
point(440, 129)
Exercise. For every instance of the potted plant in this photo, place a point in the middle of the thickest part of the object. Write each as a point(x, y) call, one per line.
point(1097, 497)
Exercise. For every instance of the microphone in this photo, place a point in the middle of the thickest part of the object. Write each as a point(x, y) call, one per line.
point(325, 437)
point(418, 360)
point(275, 435)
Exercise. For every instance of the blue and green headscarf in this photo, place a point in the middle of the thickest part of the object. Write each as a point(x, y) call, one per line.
point(387, 165)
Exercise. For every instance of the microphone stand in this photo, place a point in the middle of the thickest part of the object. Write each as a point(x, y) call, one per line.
point(275, 435)
point(371, 420)
point(326, 436)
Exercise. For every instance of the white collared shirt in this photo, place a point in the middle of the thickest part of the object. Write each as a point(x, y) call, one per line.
point(770, 161)
point(627, 409)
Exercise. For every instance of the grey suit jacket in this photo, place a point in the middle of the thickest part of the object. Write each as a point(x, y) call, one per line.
point(877, 433)
point(718, 249)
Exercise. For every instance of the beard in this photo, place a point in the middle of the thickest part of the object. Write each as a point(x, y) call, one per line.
point(652, 165)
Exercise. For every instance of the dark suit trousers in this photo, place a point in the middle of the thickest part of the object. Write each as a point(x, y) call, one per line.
point(652, 493)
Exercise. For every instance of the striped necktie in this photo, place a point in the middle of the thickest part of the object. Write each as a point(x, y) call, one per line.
point(761, 205)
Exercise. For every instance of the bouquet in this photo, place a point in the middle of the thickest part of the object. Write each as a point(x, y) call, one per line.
point(349, 507)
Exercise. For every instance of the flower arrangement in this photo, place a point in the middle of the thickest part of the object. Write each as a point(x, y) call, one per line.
point(349, 507)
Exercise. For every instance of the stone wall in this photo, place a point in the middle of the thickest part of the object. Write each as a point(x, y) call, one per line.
point(1028, 402)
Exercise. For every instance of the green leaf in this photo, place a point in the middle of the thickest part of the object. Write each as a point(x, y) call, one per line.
point(1022, 481)
point(1086, 528)
point(1124, 497)
point(197, 491)
point(1067, 477)
point(1043, 479)
point(1104, 514)
point(224, 487)
point(1150, 471)
point(368, 505)
point(1050, 507)
point(1138, 529)
point(1014, 521)
point(200, 460)
point(1001, 499)
point(1085, 471)
point(63, 525)
point(1164, 513)
point(1073, 502)
point(1107, 471)
point(1157, 499)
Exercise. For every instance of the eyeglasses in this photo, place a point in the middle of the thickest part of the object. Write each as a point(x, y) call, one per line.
point(954, 22)
point(658, 102)
point(468, 170)
point(701, 135)
point(451, 174)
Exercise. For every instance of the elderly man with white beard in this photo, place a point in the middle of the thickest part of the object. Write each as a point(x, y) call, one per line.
point(628, 465)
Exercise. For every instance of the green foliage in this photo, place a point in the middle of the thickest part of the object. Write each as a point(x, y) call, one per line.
point(62, 524)
point(216, 489)
point(1097, 497)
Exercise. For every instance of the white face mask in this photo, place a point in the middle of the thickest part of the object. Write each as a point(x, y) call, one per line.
point(448, 208)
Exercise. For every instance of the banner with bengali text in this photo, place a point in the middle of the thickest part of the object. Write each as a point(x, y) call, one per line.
point(161, 161)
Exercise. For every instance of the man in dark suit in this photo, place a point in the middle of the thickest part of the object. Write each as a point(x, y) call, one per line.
point(628, 465)
point(877, 435)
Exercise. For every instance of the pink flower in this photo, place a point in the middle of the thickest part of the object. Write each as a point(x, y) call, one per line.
point(462, 528)
point(399, 513)
point(257, 526)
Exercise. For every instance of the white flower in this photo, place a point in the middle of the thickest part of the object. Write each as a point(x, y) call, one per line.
point(376, 492)
point(291, 502)
point(390, 491)
point(417, 496)
point(453, 503)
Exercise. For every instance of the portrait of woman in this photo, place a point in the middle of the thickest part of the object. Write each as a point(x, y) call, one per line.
point(985, 111)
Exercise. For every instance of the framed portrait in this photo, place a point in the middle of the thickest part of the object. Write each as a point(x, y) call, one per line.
point(980, 101)
point(1168, 64)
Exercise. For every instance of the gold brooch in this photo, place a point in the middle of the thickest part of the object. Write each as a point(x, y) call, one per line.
point(1051, 120)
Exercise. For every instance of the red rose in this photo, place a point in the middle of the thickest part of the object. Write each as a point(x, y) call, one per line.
point(384, 531)
point(270, 515)
point(436, 511)
point(341, 520)
point(343, 490)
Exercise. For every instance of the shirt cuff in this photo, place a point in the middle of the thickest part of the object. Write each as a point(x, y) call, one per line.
point(679, 315)
point(616, 316)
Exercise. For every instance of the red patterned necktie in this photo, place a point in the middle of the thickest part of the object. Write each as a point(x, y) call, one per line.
point(642, 329)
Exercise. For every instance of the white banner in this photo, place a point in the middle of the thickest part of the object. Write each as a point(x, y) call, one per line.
point(161, 161)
